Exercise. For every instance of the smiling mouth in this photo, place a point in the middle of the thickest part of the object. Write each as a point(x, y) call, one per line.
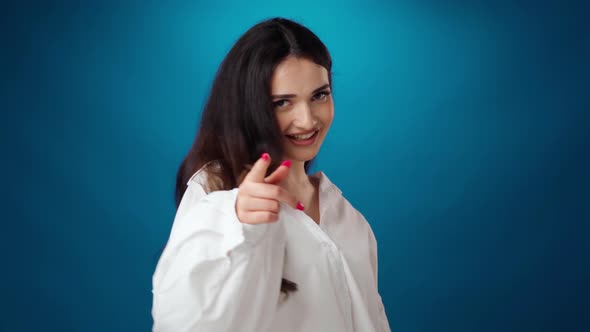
point(304, 139)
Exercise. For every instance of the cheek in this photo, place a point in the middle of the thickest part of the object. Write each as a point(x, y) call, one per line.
point(326, 115)
point(283, 122)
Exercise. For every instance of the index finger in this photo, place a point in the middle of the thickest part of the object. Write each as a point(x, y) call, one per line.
point(258, 171)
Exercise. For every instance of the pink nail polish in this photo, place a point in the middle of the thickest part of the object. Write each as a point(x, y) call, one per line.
point(286, 163)
point(265, 156)
point(300, 206)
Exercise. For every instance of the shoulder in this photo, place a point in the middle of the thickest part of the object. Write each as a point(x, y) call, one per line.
point(201, 176)
point(337, 205)
point(197, 194)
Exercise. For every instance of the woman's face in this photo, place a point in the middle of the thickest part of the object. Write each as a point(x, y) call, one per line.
point(303, 105)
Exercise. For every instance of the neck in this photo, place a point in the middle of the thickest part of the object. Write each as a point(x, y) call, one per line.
point(297, 178)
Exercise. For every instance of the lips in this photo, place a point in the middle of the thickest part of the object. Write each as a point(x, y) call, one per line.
point(302, 136)
point(303, 139)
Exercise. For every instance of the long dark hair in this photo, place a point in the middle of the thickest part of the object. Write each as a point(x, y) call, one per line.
point(238, 123)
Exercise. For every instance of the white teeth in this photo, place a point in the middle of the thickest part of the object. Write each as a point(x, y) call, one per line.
point(302, 137)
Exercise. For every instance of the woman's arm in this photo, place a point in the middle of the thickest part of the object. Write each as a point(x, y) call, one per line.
point(374, 264)
point(216, 273)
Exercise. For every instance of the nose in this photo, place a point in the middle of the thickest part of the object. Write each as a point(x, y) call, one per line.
point(304, 117)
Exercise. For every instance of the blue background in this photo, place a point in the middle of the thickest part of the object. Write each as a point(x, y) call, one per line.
point(461, 133)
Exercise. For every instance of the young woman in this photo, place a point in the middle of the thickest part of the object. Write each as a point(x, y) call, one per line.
point(258, 244)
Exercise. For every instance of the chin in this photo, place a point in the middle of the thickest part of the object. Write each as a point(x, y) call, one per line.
point(302, 156)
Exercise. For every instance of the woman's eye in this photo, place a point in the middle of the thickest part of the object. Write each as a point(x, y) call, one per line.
point(280, 103)
point(322, 95)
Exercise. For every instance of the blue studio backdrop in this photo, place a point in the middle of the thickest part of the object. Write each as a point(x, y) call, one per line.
point(460, 132)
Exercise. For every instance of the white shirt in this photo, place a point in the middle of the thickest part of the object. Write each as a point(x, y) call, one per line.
point(218, 274)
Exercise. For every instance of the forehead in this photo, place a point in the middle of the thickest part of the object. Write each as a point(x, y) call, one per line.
point(298, 76)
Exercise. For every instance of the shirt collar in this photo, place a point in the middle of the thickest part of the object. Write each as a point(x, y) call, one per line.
point(325, 184)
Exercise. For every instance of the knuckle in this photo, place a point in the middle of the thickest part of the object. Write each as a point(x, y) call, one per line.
point(275, 205)
point(269, 217)
point(241, 201)
point(245, 186)
point(243, 219)
point(277, 191)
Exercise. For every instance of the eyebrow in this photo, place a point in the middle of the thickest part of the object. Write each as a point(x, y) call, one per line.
point(293, 96)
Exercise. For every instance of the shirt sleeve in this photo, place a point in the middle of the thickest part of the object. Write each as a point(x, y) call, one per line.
point(374, 263)
point(216, 273)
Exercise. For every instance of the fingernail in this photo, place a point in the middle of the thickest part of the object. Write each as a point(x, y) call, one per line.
point(286, 163)
point(300, 206)
point(265, 156)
